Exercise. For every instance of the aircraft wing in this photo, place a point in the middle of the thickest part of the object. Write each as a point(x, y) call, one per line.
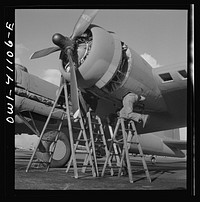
point(179, 144)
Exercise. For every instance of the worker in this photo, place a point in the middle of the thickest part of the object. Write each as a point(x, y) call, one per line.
point(127, 111)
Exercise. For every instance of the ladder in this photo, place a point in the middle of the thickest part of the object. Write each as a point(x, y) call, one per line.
point(125, 142)
point(73, 147)
point(97, 140)
point(82, 138)
point(42, 138)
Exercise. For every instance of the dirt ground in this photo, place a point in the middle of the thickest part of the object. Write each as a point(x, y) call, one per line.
point(166, 174)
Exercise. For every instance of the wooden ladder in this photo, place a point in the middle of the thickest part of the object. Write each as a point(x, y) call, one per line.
point(97, 144)
point(81, 137)
point(82, 140)
point(125, 142)
point(43, 138)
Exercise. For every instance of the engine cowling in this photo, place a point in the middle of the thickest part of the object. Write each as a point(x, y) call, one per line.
point(103, 55)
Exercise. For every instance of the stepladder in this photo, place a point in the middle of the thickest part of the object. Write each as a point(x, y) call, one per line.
point(54, 137)
point(97, 142)
point(64, 114)
point(81, 140)
point(125, 134)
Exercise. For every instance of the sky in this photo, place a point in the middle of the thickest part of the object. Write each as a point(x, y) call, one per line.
point(159, 36)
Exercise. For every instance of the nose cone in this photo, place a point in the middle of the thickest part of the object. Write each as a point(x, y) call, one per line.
point(61, 41)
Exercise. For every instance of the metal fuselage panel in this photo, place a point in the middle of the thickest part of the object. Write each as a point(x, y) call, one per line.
point(140, 80)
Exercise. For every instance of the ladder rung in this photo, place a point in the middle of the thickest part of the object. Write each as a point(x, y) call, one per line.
point(80, 140)
point(94, 133)
point(85, 166)
point(47, 140)
point(113, 166)
point(118, 142)
point(81, 152)
point(74, 127)
point(40, 162)
point(48, 152)
point(118, 154)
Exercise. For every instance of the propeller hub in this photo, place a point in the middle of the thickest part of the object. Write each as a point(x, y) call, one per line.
point(62, 42)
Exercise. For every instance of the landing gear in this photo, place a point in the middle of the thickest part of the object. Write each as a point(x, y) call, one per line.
point(153, 159)
point(62, 151)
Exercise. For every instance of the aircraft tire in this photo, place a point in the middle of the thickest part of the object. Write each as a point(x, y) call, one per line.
point(64, 151)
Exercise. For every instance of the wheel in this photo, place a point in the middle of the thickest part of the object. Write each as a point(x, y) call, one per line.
point(153, 160)
point(62, 151)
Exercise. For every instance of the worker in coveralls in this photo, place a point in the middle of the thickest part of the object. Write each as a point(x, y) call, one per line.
point(127, 111)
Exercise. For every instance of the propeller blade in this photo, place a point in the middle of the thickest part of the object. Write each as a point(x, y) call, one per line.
point(73, 85)
point(83, 22)
point(44, 52)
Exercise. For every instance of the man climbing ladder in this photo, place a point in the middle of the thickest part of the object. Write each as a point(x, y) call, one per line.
point(129, 100)
point(125, 124)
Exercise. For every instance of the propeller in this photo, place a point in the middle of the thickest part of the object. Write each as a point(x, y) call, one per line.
point(44, 52)
point(69, 47)
point(84, 22)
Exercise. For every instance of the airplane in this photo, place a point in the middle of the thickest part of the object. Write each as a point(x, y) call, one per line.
point(104, 69)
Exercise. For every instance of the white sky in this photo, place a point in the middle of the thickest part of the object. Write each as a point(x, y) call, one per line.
point(159, 33)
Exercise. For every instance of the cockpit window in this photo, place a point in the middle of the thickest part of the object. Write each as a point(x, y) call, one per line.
point(166, 77)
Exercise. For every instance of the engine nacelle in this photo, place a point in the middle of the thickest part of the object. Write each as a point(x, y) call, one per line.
point(103, 54)
point(110, 69)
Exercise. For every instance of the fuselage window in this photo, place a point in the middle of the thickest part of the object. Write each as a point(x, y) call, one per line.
point(166, 77)
point(183, 73)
